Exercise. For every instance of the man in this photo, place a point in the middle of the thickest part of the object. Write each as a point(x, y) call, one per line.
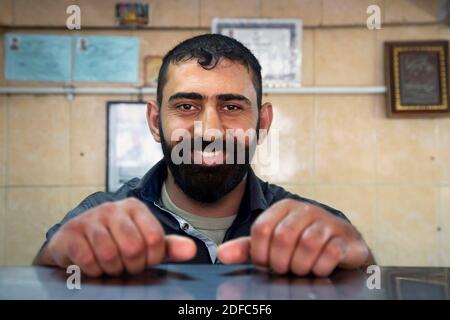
point(212, 209)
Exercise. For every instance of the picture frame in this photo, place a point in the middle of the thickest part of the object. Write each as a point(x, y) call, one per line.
point(417, 78)
point(132, 14)
point(152, 64)
point(131, 149)
point(411, 284)
point(276, 43)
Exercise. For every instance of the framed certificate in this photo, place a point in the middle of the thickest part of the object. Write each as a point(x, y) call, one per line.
point(276, 43)
point(417, 78)
point(131, 149)
point(132, 14)
point(152, 64)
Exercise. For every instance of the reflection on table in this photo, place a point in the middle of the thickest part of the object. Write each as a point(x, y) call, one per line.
point(237, 282)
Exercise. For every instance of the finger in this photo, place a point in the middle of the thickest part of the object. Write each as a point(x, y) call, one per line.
point(179, 248)
point(330, 257)
point(356, 255)
point(80, 253)
point(105, 249)
point(309, 247)
point(130, 243)
point(262, 229)
point(58, 252)
point(151, 231)
point(284, 240)
point(57, 246)
point(234, 251)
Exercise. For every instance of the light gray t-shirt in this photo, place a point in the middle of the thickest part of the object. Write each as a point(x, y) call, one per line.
point(213, 228)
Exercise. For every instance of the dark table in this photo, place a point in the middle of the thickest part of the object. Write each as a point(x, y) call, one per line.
point(208, 282)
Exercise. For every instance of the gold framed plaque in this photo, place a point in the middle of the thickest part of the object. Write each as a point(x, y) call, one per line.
point(417, 79)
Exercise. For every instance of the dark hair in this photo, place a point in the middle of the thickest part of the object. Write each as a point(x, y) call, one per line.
point(208, 49)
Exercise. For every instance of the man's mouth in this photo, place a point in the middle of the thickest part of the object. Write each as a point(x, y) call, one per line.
point(208, 158)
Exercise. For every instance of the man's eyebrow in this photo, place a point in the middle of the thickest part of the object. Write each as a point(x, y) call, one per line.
point(186, 95)
point(233, 96)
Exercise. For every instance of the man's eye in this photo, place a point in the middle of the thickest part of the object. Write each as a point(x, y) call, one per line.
point(231, 108)
point(185, 107)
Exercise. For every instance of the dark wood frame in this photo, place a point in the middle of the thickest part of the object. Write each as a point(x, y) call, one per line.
point(394, 106)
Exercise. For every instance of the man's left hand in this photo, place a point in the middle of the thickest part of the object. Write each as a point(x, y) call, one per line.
point(298, 237)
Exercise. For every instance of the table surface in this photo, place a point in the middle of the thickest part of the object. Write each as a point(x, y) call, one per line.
point(210, 282)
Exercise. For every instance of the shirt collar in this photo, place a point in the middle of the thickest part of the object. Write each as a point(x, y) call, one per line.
point(149, 188)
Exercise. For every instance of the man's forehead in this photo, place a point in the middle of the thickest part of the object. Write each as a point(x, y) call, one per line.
point(227, 76)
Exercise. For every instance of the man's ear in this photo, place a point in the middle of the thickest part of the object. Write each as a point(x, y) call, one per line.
point(153, 120)
point(265, 120)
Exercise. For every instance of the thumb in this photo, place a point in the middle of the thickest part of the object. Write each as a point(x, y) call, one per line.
point(179, 248)
point(234, 251)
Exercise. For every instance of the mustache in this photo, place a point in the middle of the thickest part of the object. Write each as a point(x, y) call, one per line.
point(229, 151)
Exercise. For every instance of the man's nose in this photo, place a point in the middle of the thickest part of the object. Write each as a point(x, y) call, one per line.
point(211, 123)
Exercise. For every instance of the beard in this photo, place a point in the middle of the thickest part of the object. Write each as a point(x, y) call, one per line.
point(208, 183)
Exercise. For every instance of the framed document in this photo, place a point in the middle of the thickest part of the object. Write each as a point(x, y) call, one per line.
point(417, 79)
point(410, 283)
point(37, 57)
point(276, 43)
point(106, 59)
point(132, 14)
point(151, 70)
point(131, 149)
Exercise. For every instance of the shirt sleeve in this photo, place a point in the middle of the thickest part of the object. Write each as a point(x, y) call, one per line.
point(90, 202)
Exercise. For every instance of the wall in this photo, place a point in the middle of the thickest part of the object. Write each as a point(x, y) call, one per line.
point(390, 176)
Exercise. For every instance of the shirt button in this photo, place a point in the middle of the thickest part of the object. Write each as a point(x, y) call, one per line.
point(185, 226)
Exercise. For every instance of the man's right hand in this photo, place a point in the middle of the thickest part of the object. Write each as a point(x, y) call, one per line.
point(113, 238)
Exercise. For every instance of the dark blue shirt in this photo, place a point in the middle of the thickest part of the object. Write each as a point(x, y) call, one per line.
point(258, 196)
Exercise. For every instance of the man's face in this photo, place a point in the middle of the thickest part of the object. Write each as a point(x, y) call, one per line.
point(209, 105)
